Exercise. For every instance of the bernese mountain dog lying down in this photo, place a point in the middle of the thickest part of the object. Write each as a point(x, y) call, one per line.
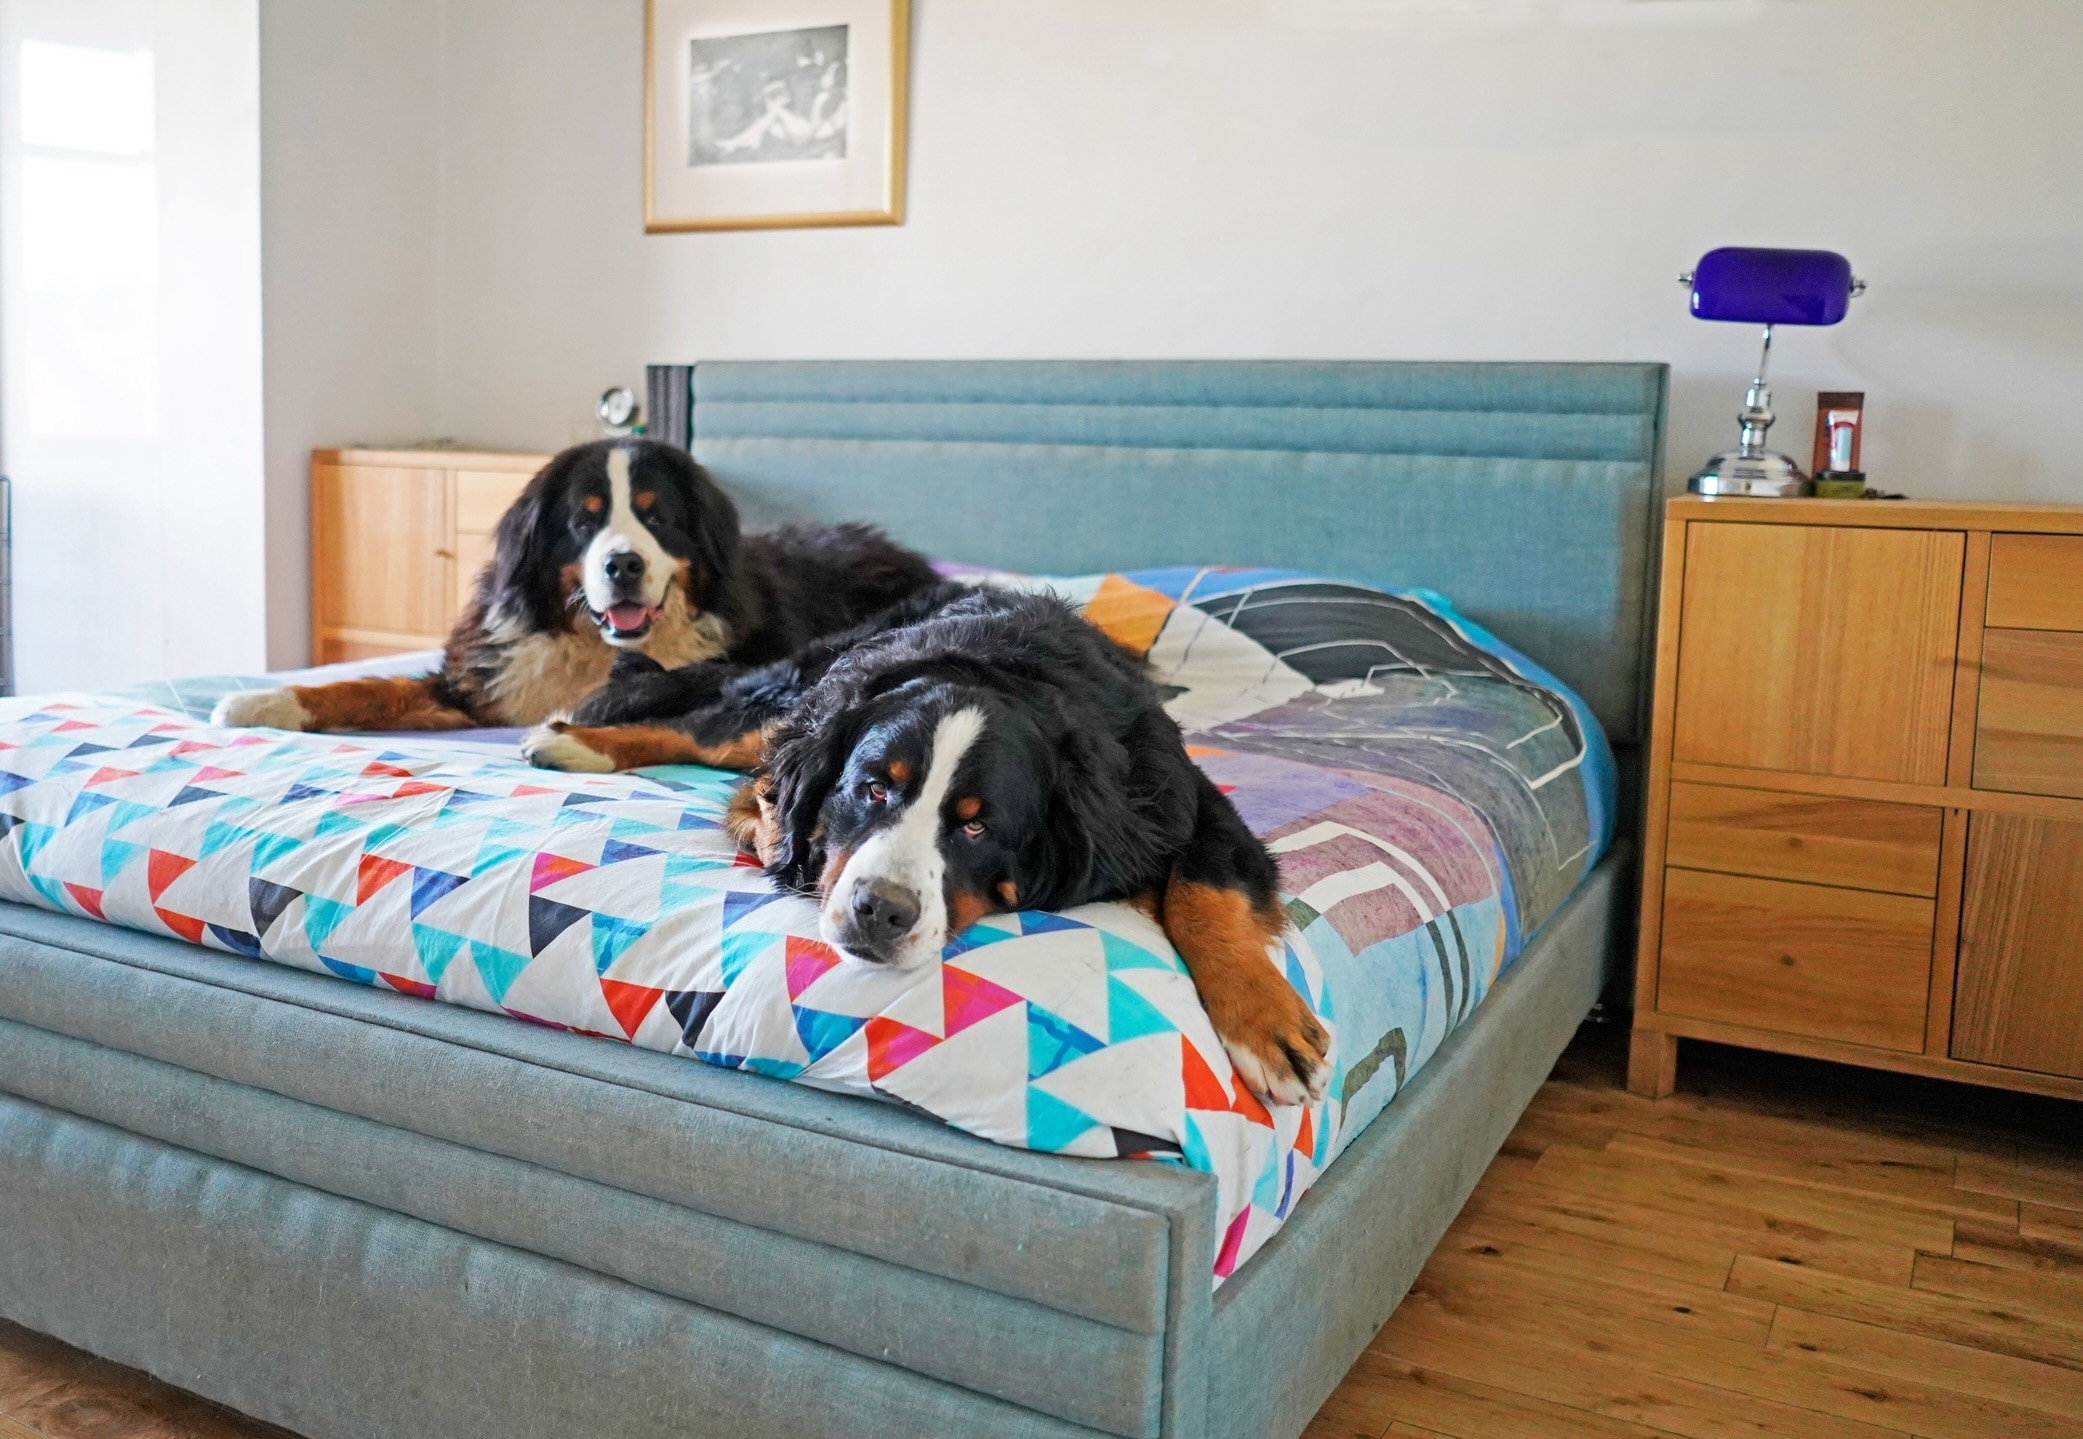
point(617, 546)
point(970, 751)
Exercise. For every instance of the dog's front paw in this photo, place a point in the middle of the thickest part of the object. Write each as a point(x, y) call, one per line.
point(749, 819)
point(261, 709)
point(1280, 1049)
point(552, 745)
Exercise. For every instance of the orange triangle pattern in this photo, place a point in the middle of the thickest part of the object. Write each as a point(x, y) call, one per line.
point(1130, 615)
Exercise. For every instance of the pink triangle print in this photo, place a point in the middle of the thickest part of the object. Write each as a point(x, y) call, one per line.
point(892, 1045)
point(970, 998)
point(549, 868)
point(808, 961)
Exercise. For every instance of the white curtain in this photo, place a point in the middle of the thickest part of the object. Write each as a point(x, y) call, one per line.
point(130, 341)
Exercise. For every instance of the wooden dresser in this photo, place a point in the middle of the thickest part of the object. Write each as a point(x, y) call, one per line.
point(397, 538)
point(1865, 809)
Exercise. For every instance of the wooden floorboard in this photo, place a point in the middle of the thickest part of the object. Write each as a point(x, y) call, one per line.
point(1781, 1250)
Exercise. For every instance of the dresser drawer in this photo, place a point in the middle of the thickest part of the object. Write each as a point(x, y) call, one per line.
point(1860, 844)
point(2029, 722)
point(482, 496)
point(1804, 959)
point(2036, 582)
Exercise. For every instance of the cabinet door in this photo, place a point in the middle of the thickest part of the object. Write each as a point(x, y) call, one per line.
point(380, 558)
point(2018, 991)
point(1819, 649)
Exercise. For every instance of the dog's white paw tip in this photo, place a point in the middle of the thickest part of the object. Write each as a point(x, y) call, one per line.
point(548, 747)
point(260, 709)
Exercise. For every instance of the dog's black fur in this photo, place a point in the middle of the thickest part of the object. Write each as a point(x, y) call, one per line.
point(1077, 788)
point(530, 645)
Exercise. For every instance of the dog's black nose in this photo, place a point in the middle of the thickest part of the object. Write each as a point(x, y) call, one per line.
point(625, 568)
point(882, 912)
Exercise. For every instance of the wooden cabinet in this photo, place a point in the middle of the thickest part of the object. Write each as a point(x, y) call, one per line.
point(397, 538)
point(1864, 831)
point(2019, 991)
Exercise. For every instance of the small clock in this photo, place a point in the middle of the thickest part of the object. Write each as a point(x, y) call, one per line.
point(618, 410)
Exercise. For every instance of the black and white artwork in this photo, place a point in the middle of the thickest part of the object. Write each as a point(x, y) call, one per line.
point(768, 98)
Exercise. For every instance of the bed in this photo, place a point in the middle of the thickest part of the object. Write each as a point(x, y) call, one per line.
point(342, 1208)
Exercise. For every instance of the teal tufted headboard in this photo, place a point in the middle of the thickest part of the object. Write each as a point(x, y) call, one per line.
point(1525, 492)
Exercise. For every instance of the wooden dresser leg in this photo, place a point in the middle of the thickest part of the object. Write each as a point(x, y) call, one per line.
point(1652, 1063)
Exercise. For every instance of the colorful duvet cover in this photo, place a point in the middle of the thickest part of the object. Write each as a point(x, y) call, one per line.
point(1431, 795)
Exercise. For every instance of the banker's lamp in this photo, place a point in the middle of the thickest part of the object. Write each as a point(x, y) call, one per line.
point(1769, 288)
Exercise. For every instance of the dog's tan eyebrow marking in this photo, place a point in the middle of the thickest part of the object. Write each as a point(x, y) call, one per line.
point(593, 504)
point(969, 808)
point(900, 772)
point(644, 498)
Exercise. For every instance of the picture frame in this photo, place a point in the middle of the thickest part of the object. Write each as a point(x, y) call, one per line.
point(774, 114)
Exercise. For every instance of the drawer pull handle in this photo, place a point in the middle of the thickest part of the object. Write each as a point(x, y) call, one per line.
point(444, 554)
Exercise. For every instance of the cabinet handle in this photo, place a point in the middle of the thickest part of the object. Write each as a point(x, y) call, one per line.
point(444, 554)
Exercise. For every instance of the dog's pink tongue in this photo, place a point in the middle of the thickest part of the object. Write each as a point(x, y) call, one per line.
point(628, 617)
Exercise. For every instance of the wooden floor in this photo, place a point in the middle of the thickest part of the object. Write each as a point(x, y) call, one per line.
point(1780, 1249)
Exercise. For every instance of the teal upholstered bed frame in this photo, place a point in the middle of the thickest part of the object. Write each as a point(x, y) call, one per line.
point(361, 1215)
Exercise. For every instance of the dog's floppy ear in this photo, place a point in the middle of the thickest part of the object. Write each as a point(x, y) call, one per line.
point(1101, 833)
point(806, 754)
point(523, 581)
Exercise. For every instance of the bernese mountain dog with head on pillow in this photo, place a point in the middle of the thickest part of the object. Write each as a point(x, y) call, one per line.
point(975, 750)
point(620, 546)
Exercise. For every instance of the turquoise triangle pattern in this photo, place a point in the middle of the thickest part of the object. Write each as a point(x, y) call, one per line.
point(491, 856)
point(436, 948)
point(741, 949)
point(33, 837)
point(499, 968)
point(270, 847)
point(677, 865)
point(822, 1031)
point(128, 812)
point(334, 822)
point(611, 936)
point(1053, 1125)
point(115, 854)
point(1130, 1016)
point(220, 836)
point(321, 917)
point(1120, 955)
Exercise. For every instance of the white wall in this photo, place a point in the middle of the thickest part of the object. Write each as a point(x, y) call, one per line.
point(454, 244)
point(130, 304)
point(1482, 179)
point(351, 220)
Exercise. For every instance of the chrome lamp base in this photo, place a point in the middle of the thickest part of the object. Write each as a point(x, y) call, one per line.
point(1751, 469)
point(1769, 474)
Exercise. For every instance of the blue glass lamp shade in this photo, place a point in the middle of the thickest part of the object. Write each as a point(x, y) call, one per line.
point(1772, 287)
point(1765, 287)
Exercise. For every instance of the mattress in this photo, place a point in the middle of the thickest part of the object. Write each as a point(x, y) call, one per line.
point(1432, 795)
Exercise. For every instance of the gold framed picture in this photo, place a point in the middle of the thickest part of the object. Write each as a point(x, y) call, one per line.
point(770, 114)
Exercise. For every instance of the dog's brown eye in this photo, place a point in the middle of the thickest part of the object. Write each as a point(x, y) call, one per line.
point(974, 829)
point(878, 791)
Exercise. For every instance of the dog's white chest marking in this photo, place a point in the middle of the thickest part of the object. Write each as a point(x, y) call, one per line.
point(907, 854)
point(624, 533)
point(547, 674)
